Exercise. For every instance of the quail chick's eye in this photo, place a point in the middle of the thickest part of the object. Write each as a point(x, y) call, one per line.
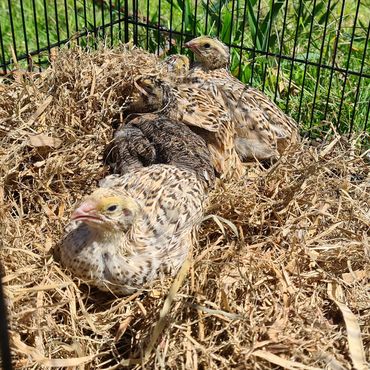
point(207, 46)
point(112, 208)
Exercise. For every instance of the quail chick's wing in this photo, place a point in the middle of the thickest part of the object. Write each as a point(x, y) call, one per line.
point(205, 113)
point(133, 228)
point(249, 98)
point(177, 145)
point(276, 129)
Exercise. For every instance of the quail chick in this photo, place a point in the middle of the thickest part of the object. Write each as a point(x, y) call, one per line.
point(206, 114)
point(263, 129)
point(154, 139)
point(133, 228)
point(175, 66)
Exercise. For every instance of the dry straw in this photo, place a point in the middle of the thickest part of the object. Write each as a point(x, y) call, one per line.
point(279, 278)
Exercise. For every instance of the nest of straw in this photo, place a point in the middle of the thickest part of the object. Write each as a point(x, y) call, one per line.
point(279, 277)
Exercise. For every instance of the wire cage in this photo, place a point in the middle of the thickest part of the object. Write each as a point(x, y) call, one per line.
point(310, 56)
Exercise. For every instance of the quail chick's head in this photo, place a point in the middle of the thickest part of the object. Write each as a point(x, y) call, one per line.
point(107, 210)
point(209, 52)
point(177, 64)
point(149, 95)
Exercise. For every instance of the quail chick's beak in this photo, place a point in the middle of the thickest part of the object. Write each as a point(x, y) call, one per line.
point(86, 212)
point(190, 45)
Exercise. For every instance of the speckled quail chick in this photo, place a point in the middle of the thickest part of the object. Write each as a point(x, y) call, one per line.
point(263, 129)
point(134, 228)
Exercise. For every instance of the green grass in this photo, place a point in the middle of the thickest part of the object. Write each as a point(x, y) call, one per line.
point(223, 17)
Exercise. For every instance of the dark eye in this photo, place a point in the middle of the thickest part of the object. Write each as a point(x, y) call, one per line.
point(112, 208)
point(207, 46)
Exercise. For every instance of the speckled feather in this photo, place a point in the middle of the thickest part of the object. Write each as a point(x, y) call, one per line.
point(162, 207)
point(153, 139)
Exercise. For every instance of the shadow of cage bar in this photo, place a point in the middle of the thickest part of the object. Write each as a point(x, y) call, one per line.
point(6, 363)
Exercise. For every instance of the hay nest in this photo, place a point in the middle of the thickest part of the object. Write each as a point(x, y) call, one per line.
point(280, 275)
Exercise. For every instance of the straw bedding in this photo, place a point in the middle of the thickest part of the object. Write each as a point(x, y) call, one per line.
point(279, 277)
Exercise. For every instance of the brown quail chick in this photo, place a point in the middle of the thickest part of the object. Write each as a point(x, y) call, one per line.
point(175, 66)
point(206, 114)
point(154, 139)
point(263, 129)
point(133, 228)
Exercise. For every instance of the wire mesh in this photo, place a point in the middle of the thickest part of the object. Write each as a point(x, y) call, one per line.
point(310, 56)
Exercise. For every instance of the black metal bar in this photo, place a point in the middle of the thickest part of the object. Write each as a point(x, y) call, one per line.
point(102, 19)
point(267, 46)
point(360, 79)
point(206, 25)
point(12, 27)
point(320, 60)
point(24, 28)
point(231, 24)
point(3, 62)
point(111, 22)
point(147, 23)
point(294, 52)
point(281, 50)
point(171, 20)
point(182, 29)
point(94, 23)
point(126, 22)
point(195, 17)
point(159, 27)
point(47, 25)
point(135, 10)
point(37, 51)
point(305, 66)
point(4, 342)
point(348, 60)
point(334, 57)
point(66, 15)
point(219, 18)
point(56, 20)
point(255, 42)
point(76, 19)
point(119, 20)
point(242, 39)
point(85, 13)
